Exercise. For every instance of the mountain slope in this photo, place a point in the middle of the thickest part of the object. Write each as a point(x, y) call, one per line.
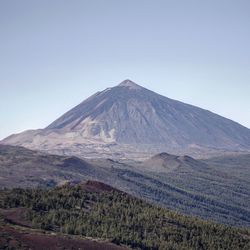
point(130, 118)
point(110, 214)
point(216, 189)
point(21, 167)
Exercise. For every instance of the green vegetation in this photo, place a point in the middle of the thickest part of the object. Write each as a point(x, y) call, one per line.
point(120, 218)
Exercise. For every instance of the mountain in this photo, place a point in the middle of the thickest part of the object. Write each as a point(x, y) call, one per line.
point(133, 122)
point(94, 215)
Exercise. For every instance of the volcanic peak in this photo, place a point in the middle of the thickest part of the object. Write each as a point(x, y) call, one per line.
point(129, 84)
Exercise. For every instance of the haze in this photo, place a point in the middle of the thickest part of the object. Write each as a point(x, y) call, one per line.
point(54, 54)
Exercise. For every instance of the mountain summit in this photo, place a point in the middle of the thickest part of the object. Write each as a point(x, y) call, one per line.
point(130, 84)
point(130, 118)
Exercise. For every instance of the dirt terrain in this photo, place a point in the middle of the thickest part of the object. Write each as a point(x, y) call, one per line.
point(19, 239)
point(96, 186)
point(15, 216)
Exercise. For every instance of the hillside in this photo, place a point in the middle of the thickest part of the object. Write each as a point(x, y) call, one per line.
point(129, 121)
point(217, 189)
point(21, 167)
point(98, 211)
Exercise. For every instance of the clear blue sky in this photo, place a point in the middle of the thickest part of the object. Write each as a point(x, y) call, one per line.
point(55, 53)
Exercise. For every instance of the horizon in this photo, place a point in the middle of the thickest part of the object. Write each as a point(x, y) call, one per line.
point(56, 54)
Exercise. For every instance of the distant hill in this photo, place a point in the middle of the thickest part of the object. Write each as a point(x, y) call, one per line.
point(133, 122)
point(216, 189)
point(21, 167)
point(164, 162)
point(104, 213)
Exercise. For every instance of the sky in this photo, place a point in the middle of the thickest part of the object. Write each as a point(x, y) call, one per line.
point(56, 53)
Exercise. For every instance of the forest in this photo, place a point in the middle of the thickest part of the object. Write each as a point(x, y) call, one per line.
point(120, 218)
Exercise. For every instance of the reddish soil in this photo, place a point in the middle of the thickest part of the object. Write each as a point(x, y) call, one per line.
point(16, 216)
point(37, 241)
point(96, 186)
